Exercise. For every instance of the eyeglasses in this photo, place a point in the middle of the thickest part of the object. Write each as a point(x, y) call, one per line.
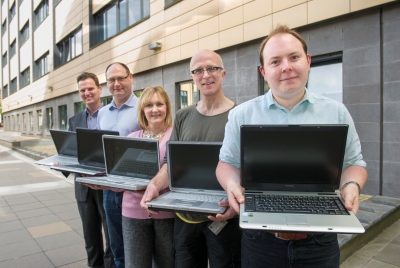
point(119, 79)
point(210, 70)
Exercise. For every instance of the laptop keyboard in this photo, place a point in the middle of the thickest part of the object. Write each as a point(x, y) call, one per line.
point(195, 197)
point(295, 204)
point(86, 167)
point(139, 167)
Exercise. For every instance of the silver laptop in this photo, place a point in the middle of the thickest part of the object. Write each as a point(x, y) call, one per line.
point(192, 180)
point(66, 146)
point(290, 174)
point(90, 152)
point(130, 163)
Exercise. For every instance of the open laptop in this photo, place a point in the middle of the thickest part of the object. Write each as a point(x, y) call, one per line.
point(130, 163)
point(192, 180)
point(66, 146)
point(90, 152)
point(283, 166)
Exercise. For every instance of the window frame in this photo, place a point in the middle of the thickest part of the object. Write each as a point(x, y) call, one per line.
point(24, 34)
point(63, 117)
point(23, 81)
point(59, 58)
point(45, 59)
point(50, 118)
point(40, 13)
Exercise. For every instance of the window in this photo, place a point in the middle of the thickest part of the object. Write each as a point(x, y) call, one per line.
point(4, 60)
point(4, 27)
point(18, 123)
point(25, 78)
point(69, 48)
point(30, 121)
point(62, 110)
point(49, 114)
point(169, 3)
point(326, 77)
point(12, 12)
point(41, 12)
point(13, 86)
point(138, 93)
point(4, 92)
point(263, 86)
point(13, 49)
point(24, 122)
point(41, 66)
point(24, 34)
point(40, 119)
point(120, 16)
point(188, 94)
point(56, 2)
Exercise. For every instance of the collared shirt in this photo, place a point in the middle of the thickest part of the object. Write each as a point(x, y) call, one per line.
point(312, 109)
point(123, 119)
point(91, 120)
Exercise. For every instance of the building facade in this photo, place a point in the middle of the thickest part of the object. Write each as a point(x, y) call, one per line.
point(354, 46)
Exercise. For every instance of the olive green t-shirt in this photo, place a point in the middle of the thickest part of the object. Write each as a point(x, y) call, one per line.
point(191, 125)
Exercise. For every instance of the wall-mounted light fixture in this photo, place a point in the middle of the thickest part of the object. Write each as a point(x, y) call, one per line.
point(154, 45)
point(30, 97)
point(50, 88)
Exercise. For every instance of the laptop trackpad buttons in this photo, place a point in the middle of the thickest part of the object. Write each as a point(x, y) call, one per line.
point(187, 203)
point(296, 220)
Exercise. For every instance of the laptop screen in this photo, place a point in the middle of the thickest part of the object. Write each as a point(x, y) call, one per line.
point(292, 157)
point(65, 142)
point(192, 165)
point(131, 156)
point(90, 146)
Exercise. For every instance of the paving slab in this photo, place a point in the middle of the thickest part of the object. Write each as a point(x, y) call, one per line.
point(20, 249)
point(49, 229)
point(29, 206)
point(67, 255)
point(33, 213)
point(38, 260)
point(59, 240)
point(10, 226)
point(8, 217)
point(375, 264)
point(16, 236)
point(389, 254)
point(40, 220)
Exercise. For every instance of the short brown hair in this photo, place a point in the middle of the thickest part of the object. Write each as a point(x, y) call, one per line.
point(281, 29)
point(119, 63)
point(147, 94)
point(86, 75)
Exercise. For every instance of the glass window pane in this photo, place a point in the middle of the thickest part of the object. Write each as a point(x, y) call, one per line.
point(327, 80)
point(188, 93)
point(123, 20)
point(146, 8)
point(78, 42)
point(111, 16)
point(134, 11)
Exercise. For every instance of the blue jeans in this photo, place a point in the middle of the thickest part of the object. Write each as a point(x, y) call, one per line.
point(148, 242)
point(195, 244)
point(263, 249)
point(112, 202)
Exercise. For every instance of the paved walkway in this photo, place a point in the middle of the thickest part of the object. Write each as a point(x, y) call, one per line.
point(40, 224)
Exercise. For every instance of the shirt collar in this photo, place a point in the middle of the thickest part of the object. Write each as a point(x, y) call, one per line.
point(131, 102)
point(88, 113)
point(271, 101)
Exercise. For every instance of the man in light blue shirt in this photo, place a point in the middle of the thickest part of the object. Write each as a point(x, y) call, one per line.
point(120, 115)
point(285, 65)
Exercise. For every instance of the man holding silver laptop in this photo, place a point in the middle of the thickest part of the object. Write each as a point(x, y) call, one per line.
point(285, 65)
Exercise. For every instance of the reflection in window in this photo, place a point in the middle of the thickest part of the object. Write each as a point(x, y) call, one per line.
point(24, 122)
point(138, 93)
point(23, 34)
point(41, 66)
point(69, 48)
point(4, 59)
point(41, 12)
point(25, 77)
point(30, 121)
point(326, 78)
point(120, 16)
point(40, 119)
point(62, 110)
point(4, 92)
point(12, 12)
point(4, 27)
point(13, 86)
point(169, 3)
point(49, 115)
point(13, 48)
point(188, 94)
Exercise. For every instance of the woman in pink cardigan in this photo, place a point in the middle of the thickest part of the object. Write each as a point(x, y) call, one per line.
point(148, 239)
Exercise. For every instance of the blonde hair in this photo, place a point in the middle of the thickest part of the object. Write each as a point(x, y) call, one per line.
point(145, 98)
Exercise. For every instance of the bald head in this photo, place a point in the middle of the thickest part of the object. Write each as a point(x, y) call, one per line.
point(205, 54)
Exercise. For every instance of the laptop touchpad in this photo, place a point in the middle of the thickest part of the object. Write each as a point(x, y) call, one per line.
point(296, 220)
